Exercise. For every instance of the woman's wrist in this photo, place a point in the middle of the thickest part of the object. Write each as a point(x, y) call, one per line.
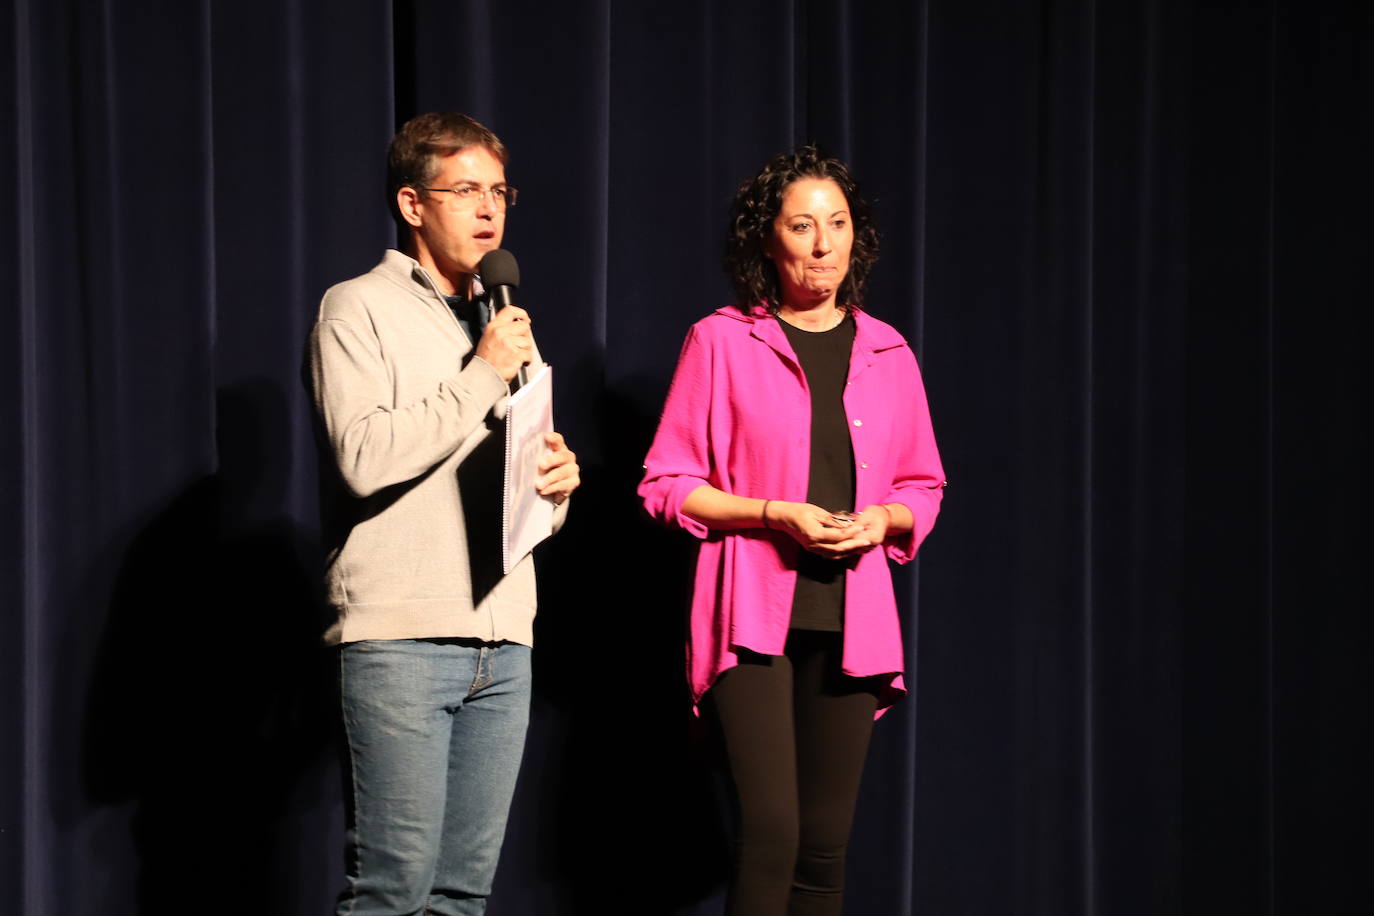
point(899, 519)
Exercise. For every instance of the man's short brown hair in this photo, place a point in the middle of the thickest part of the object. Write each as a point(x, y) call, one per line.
point(412, 160)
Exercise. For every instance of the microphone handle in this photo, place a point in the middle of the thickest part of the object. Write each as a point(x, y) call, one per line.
point(502, 295)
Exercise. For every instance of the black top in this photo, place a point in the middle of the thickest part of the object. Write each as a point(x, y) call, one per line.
point(818, 603)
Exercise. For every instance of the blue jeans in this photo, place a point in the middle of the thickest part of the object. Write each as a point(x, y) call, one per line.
point(436, 729)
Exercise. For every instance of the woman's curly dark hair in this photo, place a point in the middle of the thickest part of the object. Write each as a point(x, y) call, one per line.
point(756, 205)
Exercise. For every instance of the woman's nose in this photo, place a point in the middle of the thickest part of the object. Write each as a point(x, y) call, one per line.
point(822, 243)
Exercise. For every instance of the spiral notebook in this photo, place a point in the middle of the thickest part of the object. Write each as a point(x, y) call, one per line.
point(526, 517)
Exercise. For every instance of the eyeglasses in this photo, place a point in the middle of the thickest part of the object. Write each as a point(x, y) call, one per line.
point(469, 195)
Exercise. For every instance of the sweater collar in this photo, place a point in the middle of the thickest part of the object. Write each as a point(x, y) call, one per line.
point(405, 271)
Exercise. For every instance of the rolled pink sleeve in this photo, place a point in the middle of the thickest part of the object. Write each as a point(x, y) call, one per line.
point(679, 460)
point(918, 478)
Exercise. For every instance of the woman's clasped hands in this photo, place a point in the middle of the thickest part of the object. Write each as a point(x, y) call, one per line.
point(832, 535)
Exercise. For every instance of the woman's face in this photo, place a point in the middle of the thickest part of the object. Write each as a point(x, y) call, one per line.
point(812, 237)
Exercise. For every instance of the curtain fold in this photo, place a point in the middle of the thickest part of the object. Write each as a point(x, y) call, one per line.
point(1125, 240)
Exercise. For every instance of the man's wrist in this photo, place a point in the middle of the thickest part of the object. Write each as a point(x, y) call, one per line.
point(482, 367)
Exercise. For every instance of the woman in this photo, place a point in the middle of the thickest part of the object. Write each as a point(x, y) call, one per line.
point(796, 444)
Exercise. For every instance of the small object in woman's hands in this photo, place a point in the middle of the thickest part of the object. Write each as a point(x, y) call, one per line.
point(842, 519)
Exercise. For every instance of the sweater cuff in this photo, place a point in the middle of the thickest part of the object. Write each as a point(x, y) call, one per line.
point(486, 385)
point(560, 514)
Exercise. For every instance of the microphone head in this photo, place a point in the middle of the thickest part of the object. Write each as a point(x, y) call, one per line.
point(498, 268)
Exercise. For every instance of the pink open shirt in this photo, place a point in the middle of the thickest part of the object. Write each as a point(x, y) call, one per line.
point(738, 417)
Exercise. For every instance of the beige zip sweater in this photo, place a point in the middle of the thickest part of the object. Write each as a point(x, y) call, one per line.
point(412, 522)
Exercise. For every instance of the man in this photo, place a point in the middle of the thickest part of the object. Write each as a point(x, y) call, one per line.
point(411, 377)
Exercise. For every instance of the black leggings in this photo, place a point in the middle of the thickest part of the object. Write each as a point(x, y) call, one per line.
point(796, 732)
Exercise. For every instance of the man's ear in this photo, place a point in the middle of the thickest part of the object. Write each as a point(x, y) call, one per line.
point(408, 202)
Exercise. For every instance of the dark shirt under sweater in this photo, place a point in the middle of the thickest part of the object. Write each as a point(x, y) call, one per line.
point(818, 603)
point(471, 314)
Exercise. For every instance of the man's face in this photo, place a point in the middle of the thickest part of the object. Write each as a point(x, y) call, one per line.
point(456, 233)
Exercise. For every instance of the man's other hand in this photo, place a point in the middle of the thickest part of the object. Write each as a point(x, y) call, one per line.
point(558, 470)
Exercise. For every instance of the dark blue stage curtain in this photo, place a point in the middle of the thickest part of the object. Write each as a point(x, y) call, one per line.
point(1129, 241)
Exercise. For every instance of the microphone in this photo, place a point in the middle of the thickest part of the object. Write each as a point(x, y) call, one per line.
point(500, 278)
